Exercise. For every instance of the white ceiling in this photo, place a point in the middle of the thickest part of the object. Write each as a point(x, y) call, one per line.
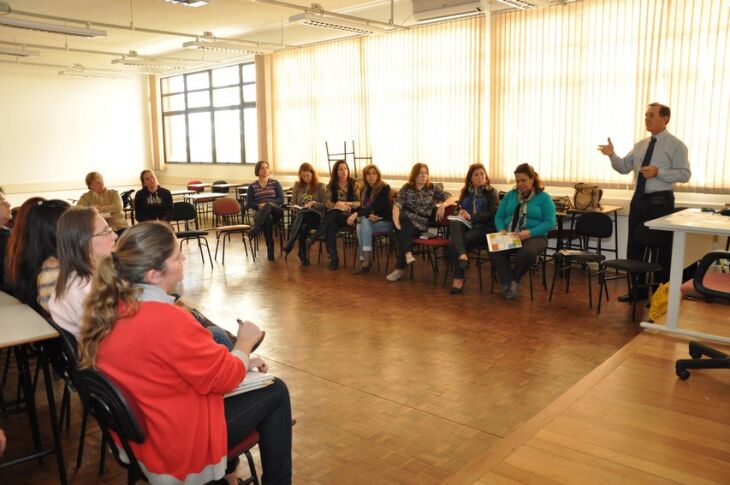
point(240, 19)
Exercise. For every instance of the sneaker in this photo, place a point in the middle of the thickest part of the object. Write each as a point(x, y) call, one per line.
point(410, 259)
point(395, 275)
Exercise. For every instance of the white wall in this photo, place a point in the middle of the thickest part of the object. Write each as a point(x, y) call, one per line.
point(54, 130)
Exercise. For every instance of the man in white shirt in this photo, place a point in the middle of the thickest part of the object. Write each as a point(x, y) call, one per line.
point(658, 162)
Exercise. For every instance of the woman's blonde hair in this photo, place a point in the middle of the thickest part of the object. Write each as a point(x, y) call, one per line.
point(113, 294)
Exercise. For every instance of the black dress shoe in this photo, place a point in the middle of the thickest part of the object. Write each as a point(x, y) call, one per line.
point(287, 249)
point(463, 263)
point(628, 298)
point(305, 262)
point(456, 291)
point(334, 265)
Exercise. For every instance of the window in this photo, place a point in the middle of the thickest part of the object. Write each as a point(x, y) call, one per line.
point(210, 116)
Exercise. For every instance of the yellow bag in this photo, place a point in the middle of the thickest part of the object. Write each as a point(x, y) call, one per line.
point(659, 301)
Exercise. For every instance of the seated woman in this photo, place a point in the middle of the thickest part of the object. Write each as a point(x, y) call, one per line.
point(177, 376)
point(106, 201)
point(84, 238)
point(308, 194)
point(152, 202)
point(343, 195)
point(413, 208)
point(478, 204)
point(265, 196)
point(528, 211)
point(375, 214)
point(31, 265)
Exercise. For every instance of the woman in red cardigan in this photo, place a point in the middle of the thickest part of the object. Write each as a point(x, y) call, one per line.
point(177, 375)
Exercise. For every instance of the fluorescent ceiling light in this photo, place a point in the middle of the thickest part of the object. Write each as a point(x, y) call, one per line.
point(213, 44)
point(189, 3)
point(133, 59)
point(77, 70)
point(315, 20)
point(52, 28)
point(11, 51)
point(529, 4)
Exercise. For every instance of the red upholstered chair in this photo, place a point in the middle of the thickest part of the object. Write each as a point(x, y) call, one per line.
point(196, 189)
point(227, 213)
point(430, 247)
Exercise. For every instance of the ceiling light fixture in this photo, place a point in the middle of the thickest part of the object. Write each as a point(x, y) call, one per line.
point(210, 43)
point(78, 70)
point(10, 51)
point(530, 4)
point(326, 22)
point(134, 59)
point(189, 3)
point(51, 28)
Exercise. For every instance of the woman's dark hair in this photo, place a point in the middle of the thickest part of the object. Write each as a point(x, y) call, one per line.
point(334, 178)
point(75, 230)
point(374, 190)
point(414, 173)
point(467, 181)
point(526, 169)
point(142, 174)
point(40, 244)
point(310, 189)
point(17, 241)
point(141, 248)
point(257, 167)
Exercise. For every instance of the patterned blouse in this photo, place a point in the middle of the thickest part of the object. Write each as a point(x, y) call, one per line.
point(419, 204)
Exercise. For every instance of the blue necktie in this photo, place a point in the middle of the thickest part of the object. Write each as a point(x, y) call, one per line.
point(641, 180)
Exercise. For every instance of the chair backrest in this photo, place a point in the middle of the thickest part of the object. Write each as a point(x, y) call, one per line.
point(220, 190)
point(196, 189)
point(62, 352)
point(594, 224)
point(705, 263)
point(115, 410)
point(127, 198)
point(226, 206)
point(183, 211)
point(653, 240)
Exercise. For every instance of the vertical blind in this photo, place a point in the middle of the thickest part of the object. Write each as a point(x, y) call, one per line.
point(543, 86)
point(419, 102)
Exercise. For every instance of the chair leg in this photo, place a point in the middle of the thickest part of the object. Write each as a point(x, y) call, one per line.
point(555, 274)
point(254, 479)
point(207, 247)
point(102, 454)
point(82, 436)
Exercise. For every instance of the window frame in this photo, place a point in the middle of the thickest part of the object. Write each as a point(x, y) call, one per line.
point(242, 106)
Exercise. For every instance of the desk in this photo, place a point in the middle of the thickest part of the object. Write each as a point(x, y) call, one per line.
point(199, 187)
point(182, 192)
point(202, 198)
point(19, 327)
point(7, 300)
point(681, 223)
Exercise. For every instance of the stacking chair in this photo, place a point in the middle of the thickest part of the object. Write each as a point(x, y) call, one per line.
point(128, 204)
point(430, 247)
point(184, 212)
point(116, 411)
point(654, 242)
point(220, 190)
point(717, 359)
point(227, 213)
point(539, 264)
point(590, 225)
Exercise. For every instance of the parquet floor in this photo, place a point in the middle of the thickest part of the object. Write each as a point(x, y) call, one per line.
point(403, 383)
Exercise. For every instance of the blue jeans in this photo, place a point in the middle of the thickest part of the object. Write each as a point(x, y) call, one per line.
point(365, 230)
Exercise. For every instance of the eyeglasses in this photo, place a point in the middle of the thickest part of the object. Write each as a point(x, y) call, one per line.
point(105, 232)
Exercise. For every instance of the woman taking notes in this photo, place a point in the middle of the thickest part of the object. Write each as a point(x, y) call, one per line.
point(528, 211)
point(478, 204)
point(175, 373)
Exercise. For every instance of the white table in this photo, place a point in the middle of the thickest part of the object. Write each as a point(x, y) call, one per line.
point(20, 326)
point(8, 300)
point(681, 223)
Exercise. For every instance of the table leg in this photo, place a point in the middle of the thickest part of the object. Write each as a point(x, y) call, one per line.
point(675, 279)
point(21, 357)
point(43, 360)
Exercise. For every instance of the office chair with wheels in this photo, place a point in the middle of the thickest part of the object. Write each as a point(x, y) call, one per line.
point(717, 359)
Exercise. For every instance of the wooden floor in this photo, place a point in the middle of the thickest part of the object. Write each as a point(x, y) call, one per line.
point(403, 383)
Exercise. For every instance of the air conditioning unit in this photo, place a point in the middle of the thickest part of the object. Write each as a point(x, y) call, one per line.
point(436, 9)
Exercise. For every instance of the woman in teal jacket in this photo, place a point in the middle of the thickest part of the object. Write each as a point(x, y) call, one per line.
point(528, 211)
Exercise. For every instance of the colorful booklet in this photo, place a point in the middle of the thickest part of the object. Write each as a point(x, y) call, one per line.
point(497, 241)
point(253, 380)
